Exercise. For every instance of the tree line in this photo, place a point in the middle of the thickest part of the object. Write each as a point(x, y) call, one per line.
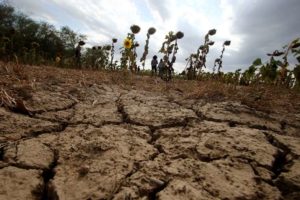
point(33, 42)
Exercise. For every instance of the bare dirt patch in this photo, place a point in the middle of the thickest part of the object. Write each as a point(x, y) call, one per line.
point(94, 135)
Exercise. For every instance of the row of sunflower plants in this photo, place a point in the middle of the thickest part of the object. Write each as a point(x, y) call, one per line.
point(278, 70)
point(197, 61)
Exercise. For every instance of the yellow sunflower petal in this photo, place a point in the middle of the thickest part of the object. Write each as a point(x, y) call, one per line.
point(127, 43)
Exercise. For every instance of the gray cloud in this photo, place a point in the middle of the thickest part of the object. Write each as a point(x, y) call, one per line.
point(264, 26)
point(161, 6)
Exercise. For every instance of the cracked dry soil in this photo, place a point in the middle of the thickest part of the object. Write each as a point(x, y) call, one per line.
point(105, 142)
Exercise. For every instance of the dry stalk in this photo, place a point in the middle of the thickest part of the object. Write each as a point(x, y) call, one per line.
point(15, 105)
point(6, 100)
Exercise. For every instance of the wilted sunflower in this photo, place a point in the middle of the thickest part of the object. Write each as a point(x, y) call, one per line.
point(135, 29)
point(212, 31)
point(114, 40)
point(227, 42)
point(179, 35)
point(127, 43)
point(151, 31)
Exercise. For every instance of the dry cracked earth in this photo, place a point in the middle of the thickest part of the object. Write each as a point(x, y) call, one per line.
point(104, 142)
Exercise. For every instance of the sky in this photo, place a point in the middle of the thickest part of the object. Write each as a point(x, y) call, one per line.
point(255, 27)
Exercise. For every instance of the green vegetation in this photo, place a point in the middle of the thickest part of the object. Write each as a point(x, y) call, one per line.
point(26, 41)
point(33, 42)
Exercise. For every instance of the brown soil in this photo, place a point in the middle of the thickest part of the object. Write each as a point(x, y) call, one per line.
point(70, 134)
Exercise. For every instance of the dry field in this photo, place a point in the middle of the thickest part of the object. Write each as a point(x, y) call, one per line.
point(70, 134)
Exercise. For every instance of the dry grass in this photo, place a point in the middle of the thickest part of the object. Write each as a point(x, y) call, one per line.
point(267, 98)
point(262, 97)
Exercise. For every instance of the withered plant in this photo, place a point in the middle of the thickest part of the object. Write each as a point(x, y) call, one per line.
point(112, 52)
point(198, 61)
point(170, 47)
point(219, 60)
point(150, 32)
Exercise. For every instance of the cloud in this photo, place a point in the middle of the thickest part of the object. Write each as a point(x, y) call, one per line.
point(262, 27)
point(160, 8)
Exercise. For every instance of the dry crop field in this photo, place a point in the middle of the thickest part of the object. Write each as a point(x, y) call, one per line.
point(84, 134)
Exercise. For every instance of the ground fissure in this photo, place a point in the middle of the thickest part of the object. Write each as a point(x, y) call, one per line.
point(145, 145)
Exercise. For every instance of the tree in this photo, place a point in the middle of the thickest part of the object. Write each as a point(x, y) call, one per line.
point(70, 39)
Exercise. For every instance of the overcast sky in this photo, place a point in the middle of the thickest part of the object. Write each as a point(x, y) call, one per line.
point(255, 27)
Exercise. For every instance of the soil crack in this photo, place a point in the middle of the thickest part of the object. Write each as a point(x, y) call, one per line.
point(120, 106)
point(161, 185)
point(232, 123)
point(281, 161)
point(280, 157)
point(48, 174)
point(2, 145)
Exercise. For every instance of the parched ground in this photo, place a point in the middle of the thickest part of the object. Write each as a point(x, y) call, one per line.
point(91, 136)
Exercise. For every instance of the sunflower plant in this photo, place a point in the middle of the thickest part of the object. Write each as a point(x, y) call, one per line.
point(150, 32)
point(34, 53)
point(112, 52)
point(219, 61)
point(285, 74)
point(128, 51)
point(170, 48)
point(197, 61)
point(97, 57)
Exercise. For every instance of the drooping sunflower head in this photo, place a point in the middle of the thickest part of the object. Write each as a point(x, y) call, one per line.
point(227, 42)
point(179, 35)
point(114, 40)
point(127, 43)
point(135, 29)
point(212, 31)
point(151, 31)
